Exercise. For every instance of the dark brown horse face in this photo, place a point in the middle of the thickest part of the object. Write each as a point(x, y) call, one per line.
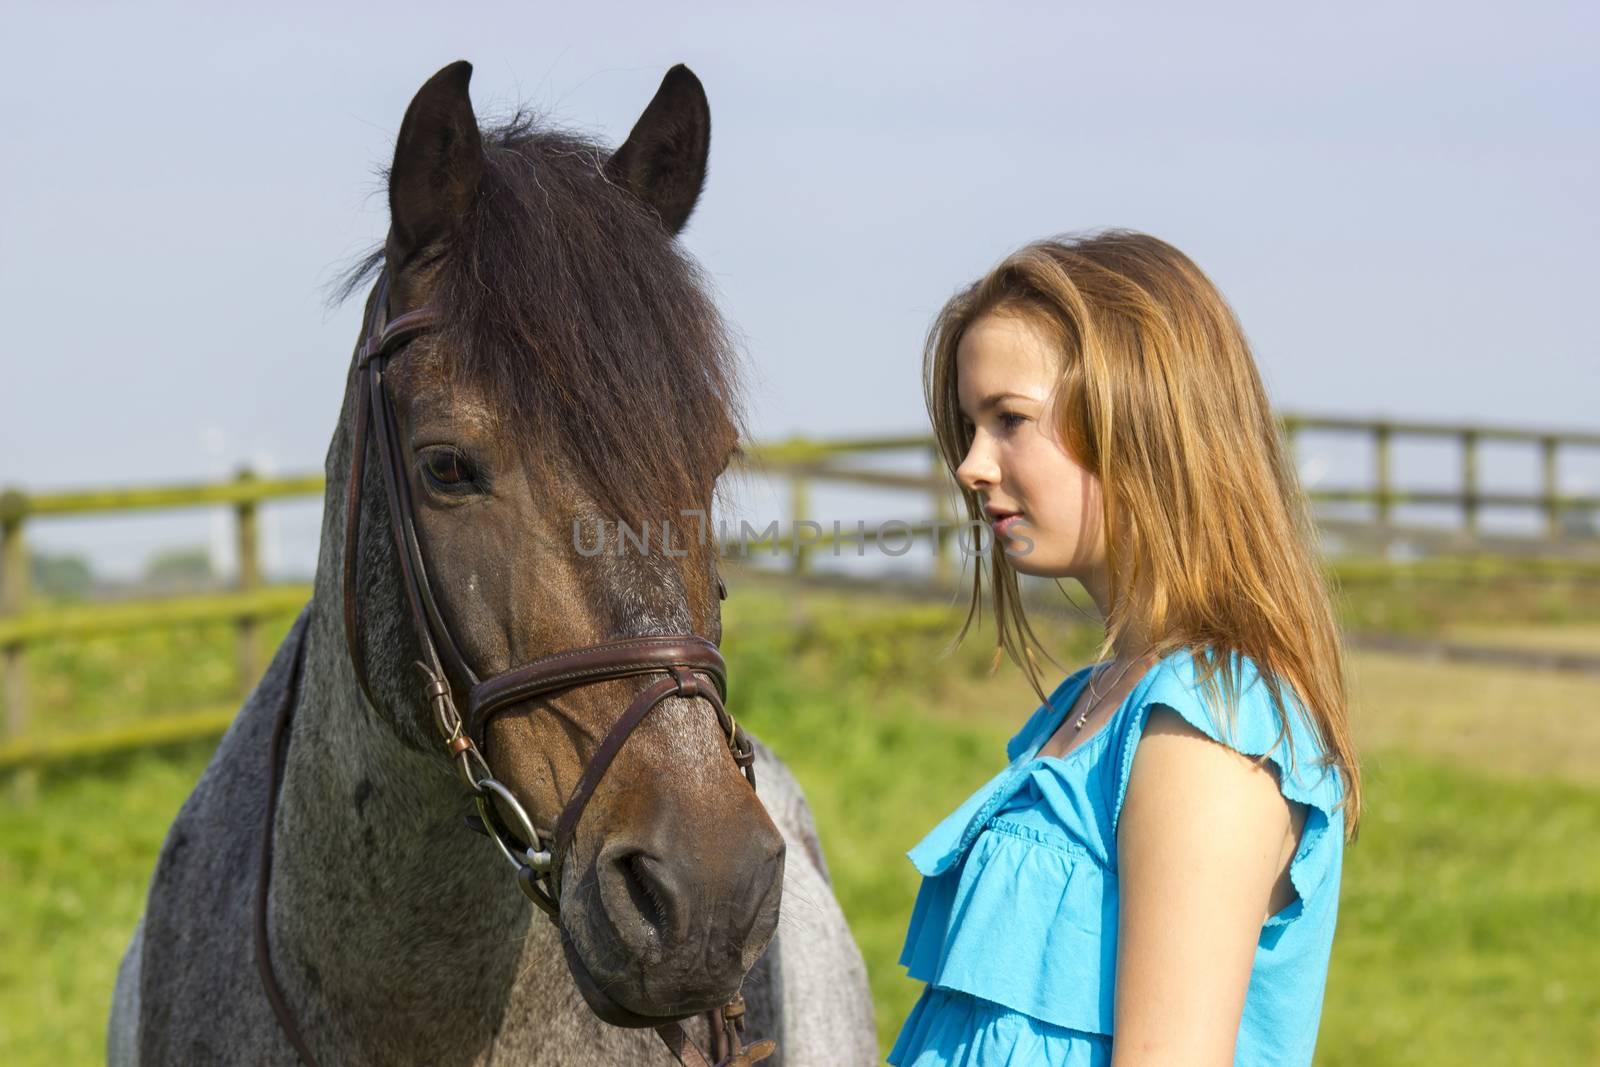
point(672, 887)
point(586, 371)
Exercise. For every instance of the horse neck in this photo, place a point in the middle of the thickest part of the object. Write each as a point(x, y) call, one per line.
point(386, 912)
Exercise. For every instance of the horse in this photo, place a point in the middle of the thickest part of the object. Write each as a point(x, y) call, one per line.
point(538, 352)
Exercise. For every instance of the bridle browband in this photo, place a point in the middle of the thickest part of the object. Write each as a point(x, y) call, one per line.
point(536, 858)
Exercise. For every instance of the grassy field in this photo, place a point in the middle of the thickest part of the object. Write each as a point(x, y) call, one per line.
point(1470, 912)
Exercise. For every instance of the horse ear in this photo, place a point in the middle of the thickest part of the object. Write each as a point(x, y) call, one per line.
point(663, 161)
point(438, 161)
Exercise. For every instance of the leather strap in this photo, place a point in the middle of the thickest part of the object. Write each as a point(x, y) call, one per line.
point(617, 658)
point(374, 409)
point(725, 1026)
point(582, 667)
point(677, 1041)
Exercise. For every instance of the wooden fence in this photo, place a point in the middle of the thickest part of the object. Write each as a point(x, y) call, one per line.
point(1384, 496)
point(801, 463)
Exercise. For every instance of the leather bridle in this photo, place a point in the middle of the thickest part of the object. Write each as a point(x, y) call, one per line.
point(537, 858)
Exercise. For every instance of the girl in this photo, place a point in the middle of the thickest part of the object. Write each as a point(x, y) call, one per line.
point(1154, 878)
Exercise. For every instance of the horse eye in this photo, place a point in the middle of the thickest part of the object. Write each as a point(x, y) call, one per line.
point(446, 468)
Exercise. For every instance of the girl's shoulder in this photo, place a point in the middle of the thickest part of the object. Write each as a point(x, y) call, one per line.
point(1279, 732)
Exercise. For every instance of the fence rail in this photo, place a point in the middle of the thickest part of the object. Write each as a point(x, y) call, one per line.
point(803, 463)
point(1469, 497)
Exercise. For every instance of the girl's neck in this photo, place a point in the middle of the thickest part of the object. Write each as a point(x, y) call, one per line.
point(1134, 639)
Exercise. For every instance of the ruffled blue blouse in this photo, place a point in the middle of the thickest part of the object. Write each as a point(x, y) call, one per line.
point(1015, 925)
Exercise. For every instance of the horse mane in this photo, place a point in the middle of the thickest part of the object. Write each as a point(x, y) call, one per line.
point(569, 307)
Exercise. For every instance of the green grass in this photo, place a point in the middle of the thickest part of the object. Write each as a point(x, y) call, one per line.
point(1469, 917)
point(1469, 922)
point(75, 857)
point(1431, 602)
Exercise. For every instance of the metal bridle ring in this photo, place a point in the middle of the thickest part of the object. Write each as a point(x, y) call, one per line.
point(538, 860)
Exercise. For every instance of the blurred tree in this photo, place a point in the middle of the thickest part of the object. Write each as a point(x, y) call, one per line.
point(62, 576)
point(180, 568)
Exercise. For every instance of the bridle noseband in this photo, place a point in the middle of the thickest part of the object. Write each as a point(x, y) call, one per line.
point(537, 858)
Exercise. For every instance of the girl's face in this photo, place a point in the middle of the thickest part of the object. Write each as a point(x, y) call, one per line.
point(1006, 375)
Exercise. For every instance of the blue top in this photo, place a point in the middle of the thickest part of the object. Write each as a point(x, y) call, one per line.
point(1015, 925)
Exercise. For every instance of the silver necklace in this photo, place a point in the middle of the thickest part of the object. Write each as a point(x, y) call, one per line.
point(1092, 698)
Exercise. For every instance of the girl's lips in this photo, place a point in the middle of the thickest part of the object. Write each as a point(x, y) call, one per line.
point(1004, 524)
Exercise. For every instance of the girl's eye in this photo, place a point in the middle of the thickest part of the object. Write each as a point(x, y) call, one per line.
point(447, 469)
point(1011, 420)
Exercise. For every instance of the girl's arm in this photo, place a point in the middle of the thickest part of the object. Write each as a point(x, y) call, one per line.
point(1199, 845)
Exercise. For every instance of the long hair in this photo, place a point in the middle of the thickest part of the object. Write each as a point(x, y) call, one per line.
point(1159, 397)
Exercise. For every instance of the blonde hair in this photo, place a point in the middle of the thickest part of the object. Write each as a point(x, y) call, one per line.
point(1159, 397)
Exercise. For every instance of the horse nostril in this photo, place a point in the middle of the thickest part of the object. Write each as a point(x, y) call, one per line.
point(645, 889)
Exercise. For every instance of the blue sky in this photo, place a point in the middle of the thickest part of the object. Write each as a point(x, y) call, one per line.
point(1399, 200)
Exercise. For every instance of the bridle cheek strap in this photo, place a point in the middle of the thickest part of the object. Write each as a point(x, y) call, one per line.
point(375, 348)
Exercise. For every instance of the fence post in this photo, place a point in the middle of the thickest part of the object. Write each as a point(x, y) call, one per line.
point(1469, 481)
point(248, 523)
point(13, 601)
point(1380, 459)
point(799, 506)
point(1552, 488)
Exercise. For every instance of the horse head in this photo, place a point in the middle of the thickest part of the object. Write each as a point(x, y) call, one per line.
point(574, 381)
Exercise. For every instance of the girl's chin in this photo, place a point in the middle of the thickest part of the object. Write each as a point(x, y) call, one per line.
point(1039, 572)
point(1034, 564)
point(1040, 563)
point(1029, 554)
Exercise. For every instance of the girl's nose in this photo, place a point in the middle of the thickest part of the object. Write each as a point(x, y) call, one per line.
point(979, 470)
